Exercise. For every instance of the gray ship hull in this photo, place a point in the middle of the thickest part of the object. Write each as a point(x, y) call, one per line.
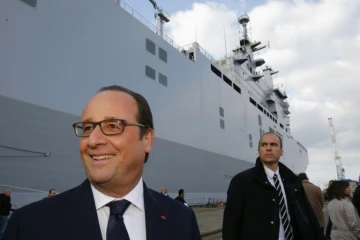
point(57, 54)
point(176, 165)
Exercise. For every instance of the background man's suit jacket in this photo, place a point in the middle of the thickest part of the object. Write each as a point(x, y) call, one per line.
point(72, 215)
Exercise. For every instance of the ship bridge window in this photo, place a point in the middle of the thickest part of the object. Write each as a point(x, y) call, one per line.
point(32, 3)
point(222, 123)
point(221, 111)
point(227, 80)
point(150, 46)
point(163, 54)
point(236, 88)
point(216, 71)
point(191, 56)
point(150, 72)
point(163, 79)
point(259, 118)
point(250, 141)
point(260, 108)
point(282, 126)
point(252, 101)
point(262, 132)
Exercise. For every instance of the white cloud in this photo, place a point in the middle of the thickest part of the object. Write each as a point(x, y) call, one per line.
point(205, 23)
point(316, 46)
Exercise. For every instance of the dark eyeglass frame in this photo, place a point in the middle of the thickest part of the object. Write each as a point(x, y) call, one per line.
point(94, 124)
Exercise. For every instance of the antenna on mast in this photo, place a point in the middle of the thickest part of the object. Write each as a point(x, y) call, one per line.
point(160, 17)
point(225, 42)
point(195, 34)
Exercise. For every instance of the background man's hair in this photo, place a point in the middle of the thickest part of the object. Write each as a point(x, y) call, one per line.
point(181, 191)
point(281, 143)
point(144, 115)
point(302, 176)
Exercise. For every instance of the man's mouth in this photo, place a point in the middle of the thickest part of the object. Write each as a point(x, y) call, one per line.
point(101, 157)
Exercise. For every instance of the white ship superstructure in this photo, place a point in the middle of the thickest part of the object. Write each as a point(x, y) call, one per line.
point(208, 114)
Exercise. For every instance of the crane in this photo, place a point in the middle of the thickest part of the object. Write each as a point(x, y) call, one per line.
point(160, 17)
point(339, 168)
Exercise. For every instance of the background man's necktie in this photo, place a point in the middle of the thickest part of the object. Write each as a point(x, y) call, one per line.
point(283, 212)
point(116, 229)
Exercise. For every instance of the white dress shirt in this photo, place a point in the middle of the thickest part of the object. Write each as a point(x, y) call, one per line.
point(270, 175)
point(134, 216)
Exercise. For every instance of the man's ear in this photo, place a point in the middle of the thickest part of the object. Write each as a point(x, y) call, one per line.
point(148, 140)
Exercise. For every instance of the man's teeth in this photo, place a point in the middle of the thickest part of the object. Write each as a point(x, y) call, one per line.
point(102, 157)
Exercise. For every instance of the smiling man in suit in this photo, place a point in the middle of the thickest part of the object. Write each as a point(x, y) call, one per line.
point(116, 135)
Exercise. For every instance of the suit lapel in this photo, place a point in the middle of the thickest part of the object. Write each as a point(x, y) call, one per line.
point(84, 219)
point(155, 216)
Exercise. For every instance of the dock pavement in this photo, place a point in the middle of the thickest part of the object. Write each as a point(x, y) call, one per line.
point(210, 221)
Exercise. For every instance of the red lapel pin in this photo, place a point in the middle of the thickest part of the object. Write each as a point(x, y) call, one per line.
point(163, 217)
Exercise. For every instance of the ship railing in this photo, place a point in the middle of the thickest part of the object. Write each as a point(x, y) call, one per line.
point(23, 196)
point(230, 73)
point(205, 203)
point(189, 47)
point(142, 19)
point(233, 74)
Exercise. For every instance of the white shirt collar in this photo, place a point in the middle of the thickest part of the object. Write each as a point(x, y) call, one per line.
point(270, 173)
point(135, 196)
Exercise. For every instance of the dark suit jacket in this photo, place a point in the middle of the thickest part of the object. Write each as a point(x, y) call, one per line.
point(356, 198)
point(5, 205)
point(252, 207)
point(72, 215)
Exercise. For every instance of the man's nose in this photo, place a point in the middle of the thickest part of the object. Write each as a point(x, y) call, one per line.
point(97, 137)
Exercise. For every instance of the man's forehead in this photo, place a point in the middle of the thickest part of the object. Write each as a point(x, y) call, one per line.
point(269, 138)
point(110, 99)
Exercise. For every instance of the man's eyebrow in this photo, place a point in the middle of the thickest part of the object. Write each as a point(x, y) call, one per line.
point(87, 120)
point(90, 119)
point(110, 117)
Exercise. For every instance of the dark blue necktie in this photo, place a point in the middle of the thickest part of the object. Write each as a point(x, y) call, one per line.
point(116, 229)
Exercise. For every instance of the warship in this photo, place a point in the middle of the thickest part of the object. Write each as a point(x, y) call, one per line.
point(208, 114)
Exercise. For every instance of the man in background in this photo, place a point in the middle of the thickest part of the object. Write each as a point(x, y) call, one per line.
point(356, 198)
point(181, 196)
point(268, 201)
point(315, 196)
point(5, 207)
point(164, 191)
point(52, 192)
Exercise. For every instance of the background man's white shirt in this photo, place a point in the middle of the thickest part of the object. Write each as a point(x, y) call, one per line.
point(270, 175)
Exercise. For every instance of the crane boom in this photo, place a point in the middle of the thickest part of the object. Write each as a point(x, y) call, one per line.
point(160, 17)
point(339, 168)
point(154, 4)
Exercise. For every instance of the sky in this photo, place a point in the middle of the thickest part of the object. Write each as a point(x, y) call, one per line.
point(315, 45)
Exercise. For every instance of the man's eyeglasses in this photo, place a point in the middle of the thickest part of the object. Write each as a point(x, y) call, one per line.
point(108, 127)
